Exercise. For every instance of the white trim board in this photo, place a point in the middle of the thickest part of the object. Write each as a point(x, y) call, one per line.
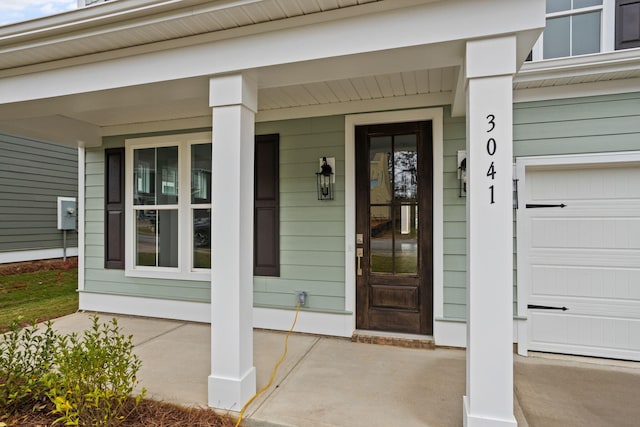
point(522, 164)
point(263, 318)
point(37, 254)
point(148, 307)
point(435, 115)
point(81, 217)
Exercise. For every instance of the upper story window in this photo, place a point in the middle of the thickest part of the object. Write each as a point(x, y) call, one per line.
point(581, 27)
point(168, 209)
point(574, 27)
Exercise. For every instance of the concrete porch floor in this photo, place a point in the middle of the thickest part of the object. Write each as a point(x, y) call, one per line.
point(333, 382)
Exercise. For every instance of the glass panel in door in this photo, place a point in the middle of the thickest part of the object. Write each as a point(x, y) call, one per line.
point(393, 165)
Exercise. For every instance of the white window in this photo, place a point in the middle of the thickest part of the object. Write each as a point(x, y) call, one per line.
point(168, 202)
point(576, 27)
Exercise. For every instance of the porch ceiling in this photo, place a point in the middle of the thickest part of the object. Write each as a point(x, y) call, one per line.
point(178, 100)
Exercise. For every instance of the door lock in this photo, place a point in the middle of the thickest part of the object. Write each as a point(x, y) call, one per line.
point(359, 255)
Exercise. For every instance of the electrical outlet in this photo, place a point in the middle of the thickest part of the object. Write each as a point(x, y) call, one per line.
point(301, 298)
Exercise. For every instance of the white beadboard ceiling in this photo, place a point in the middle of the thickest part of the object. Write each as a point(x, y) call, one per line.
point(148, 103)
point(359, 89)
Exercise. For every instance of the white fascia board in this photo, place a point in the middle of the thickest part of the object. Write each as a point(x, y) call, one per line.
point(426, 24)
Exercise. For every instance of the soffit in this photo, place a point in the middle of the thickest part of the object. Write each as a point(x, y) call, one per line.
point(129, 23)
point(173, 101)
point(599, 67)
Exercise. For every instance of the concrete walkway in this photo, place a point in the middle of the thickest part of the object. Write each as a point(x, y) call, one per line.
point(334, 382)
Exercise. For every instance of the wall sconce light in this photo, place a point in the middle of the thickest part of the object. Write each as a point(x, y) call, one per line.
point(325, 178)
point(462, 172)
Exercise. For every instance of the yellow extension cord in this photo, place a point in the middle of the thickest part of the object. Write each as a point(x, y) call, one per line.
point(275, 369)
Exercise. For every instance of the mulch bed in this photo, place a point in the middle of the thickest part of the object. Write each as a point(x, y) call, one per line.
point(33, 266)
point(149, 413)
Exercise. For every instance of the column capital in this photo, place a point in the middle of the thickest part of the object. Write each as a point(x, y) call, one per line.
point(234, 89)
point(490, 57)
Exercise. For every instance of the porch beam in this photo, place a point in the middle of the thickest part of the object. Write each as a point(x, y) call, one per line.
point(490, 65)
point(232, 382)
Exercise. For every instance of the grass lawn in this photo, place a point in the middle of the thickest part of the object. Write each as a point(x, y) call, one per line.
point(37, 296)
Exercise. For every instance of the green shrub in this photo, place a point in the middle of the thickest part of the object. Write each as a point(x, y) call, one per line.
point(94, 377)
point(26, 357)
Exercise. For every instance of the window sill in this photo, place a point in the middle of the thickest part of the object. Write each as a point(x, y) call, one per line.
point(169, 274)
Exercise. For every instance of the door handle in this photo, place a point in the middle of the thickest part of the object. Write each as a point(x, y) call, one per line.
point(359, 255)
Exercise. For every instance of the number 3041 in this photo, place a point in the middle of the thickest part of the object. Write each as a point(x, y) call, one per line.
point(492, 146)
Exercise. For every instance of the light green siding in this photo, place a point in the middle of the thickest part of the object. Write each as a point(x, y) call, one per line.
point(565, 126)
point(578, 125)
point(311, 231)
point(100, 280)
point(32, 176)
point(455, 229)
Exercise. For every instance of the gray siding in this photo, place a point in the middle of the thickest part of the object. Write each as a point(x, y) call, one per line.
point(32, 176)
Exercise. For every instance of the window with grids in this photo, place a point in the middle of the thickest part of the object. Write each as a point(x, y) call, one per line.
point(169, 198)
point(573, 27)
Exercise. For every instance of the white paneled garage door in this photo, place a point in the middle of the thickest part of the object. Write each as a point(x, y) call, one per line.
point(584, 256)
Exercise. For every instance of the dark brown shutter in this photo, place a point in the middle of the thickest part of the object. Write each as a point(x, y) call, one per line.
point(114, 208)
point(627, 24)
point(266, 217)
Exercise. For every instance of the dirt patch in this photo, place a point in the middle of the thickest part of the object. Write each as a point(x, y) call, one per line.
point(41, 265)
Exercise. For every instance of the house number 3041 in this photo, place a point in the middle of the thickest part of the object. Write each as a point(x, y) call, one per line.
point(491, 150)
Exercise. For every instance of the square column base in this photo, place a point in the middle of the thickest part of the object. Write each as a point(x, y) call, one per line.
point(484, 420)
point(231, 393)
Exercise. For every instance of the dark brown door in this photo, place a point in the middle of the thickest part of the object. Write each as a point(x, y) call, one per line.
point(394, 185)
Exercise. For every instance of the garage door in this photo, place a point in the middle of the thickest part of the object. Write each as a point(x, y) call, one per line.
point(583, 257)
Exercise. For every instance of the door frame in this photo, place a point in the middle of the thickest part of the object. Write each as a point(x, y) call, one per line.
point(522, 228)
point(435, 115)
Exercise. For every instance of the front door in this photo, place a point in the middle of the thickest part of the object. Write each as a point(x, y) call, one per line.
point(394, 185)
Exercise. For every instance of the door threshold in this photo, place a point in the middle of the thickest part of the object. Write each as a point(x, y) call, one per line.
point(395, 339)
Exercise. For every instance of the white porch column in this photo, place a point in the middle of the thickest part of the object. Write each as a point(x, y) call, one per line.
point(490, 65)
point(232, 382)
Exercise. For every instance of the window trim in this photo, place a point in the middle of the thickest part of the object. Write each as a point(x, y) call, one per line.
point(607, 29)
point(193, 206)
point(185, 270)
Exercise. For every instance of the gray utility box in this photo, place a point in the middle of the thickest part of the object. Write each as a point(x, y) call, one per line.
point(67, 213)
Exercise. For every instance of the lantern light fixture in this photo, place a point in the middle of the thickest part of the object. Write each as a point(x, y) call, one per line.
point(325, 178)
point(462, 173)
